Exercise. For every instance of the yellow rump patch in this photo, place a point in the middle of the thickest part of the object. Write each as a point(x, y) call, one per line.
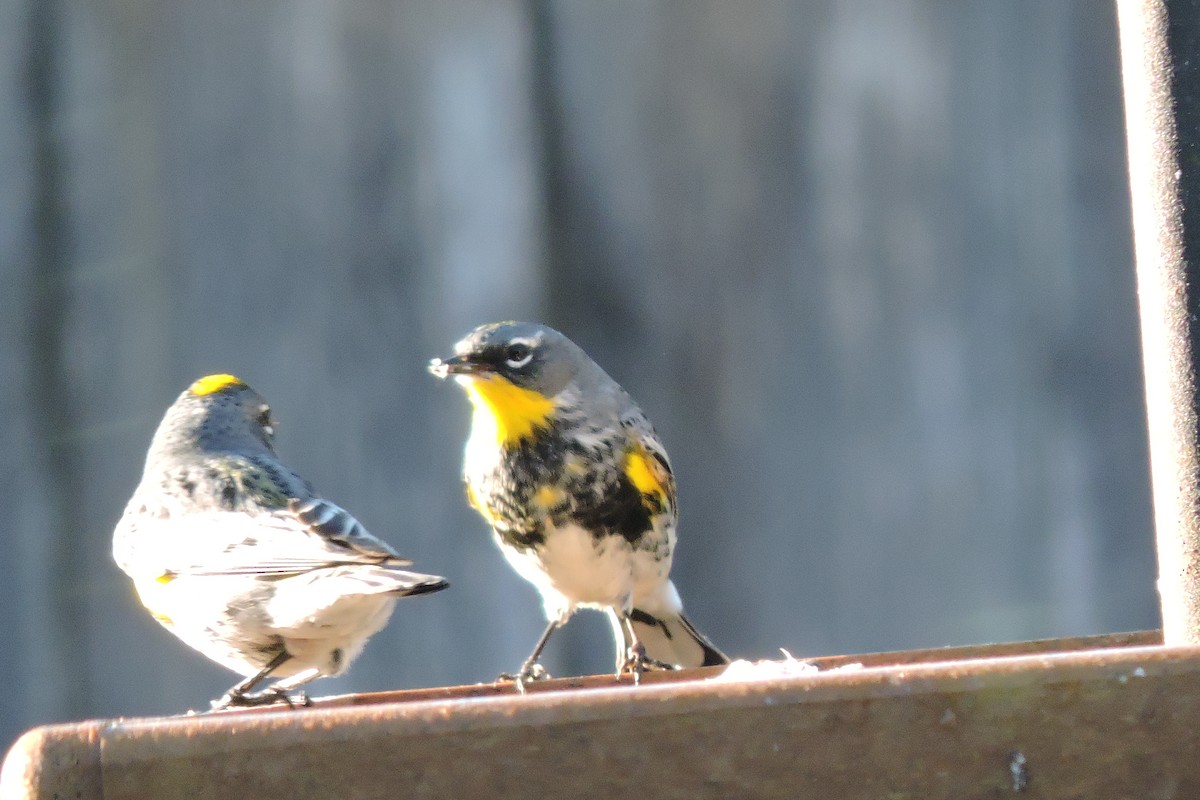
point(211, 384)
point(504, 410)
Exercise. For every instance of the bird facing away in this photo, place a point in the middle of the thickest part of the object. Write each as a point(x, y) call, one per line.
point(577, 488)
point(231, 551)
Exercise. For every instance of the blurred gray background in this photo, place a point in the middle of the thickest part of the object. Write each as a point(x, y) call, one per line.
point(865, 263)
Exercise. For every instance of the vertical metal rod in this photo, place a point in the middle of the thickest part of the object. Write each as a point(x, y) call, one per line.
point(1160, 57)
point(65, 679)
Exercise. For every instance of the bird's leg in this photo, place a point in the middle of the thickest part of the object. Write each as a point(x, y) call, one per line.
point(282, 690)
point(239, 695)
point(531, 670)
point(634, 660)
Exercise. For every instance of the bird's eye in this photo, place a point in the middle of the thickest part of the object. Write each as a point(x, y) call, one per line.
point(518, 354)
point(264, 419)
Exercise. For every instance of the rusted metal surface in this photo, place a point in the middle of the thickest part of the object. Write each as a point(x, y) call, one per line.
point(56, 761)
point(1161, 75)
point(1097, 722)
point(1108, 640)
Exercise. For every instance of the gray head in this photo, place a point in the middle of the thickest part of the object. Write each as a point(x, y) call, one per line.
point(218, 413)
point(527, 354)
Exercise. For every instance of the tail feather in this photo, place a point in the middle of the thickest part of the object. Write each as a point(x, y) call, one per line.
point(673, 639)
point(365, 579)
point(403, 583)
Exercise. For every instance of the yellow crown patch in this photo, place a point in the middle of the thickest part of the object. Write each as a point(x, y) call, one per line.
point(211, 384)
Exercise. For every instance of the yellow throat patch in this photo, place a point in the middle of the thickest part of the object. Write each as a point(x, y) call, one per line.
point(505, 411)
point(211, 384)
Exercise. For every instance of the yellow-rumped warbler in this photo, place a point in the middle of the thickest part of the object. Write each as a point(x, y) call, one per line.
point(577, 488)
point(233, 553)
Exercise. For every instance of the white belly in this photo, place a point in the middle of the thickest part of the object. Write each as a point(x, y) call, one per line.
point(327, 633)
point(574, 569)
point(320, 630)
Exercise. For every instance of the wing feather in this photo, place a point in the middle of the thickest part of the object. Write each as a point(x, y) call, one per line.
point(307, 535)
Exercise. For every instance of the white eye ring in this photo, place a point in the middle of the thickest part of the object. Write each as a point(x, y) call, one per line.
point(517, 363)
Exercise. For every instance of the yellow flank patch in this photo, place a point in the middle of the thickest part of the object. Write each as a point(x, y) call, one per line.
point(156, 597)
point(548, 497)
point(504, 409)
point(638, 470)
point(211, 384)
point(473, 501)
point(645, 473)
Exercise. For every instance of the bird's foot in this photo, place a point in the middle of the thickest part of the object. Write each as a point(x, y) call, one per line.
point(529, 673)
point(236, 698)
point(636, 662)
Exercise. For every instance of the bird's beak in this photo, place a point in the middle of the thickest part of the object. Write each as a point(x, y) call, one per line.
point(455, 365)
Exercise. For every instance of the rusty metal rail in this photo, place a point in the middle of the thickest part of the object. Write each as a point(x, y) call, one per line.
point(1108, 716)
